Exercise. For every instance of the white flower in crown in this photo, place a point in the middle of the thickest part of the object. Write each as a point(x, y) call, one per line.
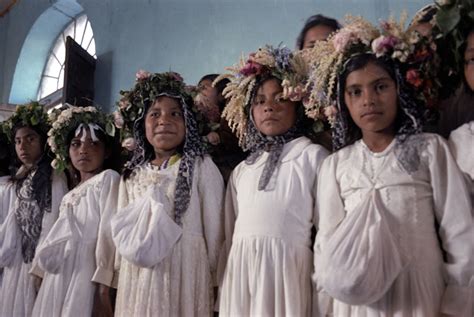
point(118, 119)
point(129, 144)
point(55, 164)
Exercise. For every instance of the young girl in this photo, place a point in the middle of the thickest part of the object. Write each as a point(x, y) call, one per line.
point(270, 200)
point(461, 140)
point(78, 254)
point(169, 228)
point(225, 150)
point(31, 213)
point(395, 232)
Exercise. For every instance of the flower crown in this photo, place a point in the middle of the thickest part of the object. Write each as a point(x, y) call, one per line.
point(79, 119)
point(147, 88)
point(290, 67)
point(415, 54)
point(29, 115)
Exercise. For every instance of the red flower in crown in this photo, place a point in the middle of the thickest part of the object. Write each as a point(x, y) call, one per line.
point(413, 77)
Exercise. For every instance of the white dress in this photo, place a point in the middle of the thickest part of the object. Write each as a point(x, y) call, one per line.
point(461, 143)
point(6, 197)
point(17, 293)
point(396, 235)
point(268, 235)
point(165, 269)
point(78, 252)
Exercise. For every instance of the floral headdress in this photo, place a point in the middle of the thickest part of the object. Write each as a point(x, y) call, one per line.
point(28, 115)
point(131, 115)
point(290, 67)
point(415, 56)
point(79, 120)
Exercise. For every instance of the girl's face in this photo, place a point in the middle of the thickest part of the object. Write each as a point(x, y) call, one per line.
point(87, 156)
point(469, 61)
point(164, 125)
point(371, 97)
point(209, 92)
point(315, 34)
point(28, 146)
point(272, 114)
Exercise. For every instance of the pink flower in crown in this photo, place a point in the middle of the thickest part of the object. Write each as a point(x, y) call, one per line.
point(384, 44)
point(176, 76)
point(251, 68)
point(142, 75)
point(330, 113)
point(344, 39)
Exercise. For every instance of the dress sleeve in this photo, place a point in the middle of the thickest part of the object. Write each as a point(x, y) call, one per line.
point(9, 237)
point(211, 193)
point(143, 231)
point(317, 160)
point(57, 246)
point(105, 248)
point(456, 229)
point(330, 213)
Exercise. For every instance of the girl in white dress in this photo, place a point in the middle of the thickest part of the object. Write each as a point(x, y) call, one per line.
point(461, 140)
point(395, 232)
point(169, 226)
point(77, 256)
point(270, 201)
point(33, 209)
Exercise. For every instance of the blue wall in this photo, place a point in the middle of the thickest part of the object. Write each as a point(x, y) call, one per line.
point(193, 37)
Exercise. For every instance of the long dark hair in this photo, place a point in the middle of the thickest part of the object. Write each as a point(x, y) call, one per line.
point(409, 115)
point(311, 22)
point(41, 182)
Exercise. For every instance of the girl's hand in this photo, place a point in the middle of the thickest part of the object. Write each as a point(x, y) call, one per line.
point(102, 305)
point(213, 138)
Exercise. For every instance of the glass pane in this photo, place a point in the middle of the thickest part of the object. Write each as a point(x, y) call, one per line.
point(60, 51)
point(91, 49)
point(48, 86)
point(87, 36)
point(61, 78)
point(52, 67)
point(80, 28)
point(69, 31)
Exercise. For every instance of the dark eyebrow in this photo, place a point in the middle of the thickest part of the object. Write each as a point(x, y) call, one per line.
point(25, 136)
point(373, 82)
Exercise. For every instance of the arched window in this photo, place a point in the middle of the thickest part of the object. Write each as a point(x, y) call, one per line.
point(52, 78)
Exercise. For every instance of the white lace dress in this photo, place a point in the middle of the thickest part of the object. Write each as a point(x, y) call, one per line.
point(461, 143)
point(17, 293)
point(165, 269)
point(396, 235)
point(268, 235)
point(78, 252)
